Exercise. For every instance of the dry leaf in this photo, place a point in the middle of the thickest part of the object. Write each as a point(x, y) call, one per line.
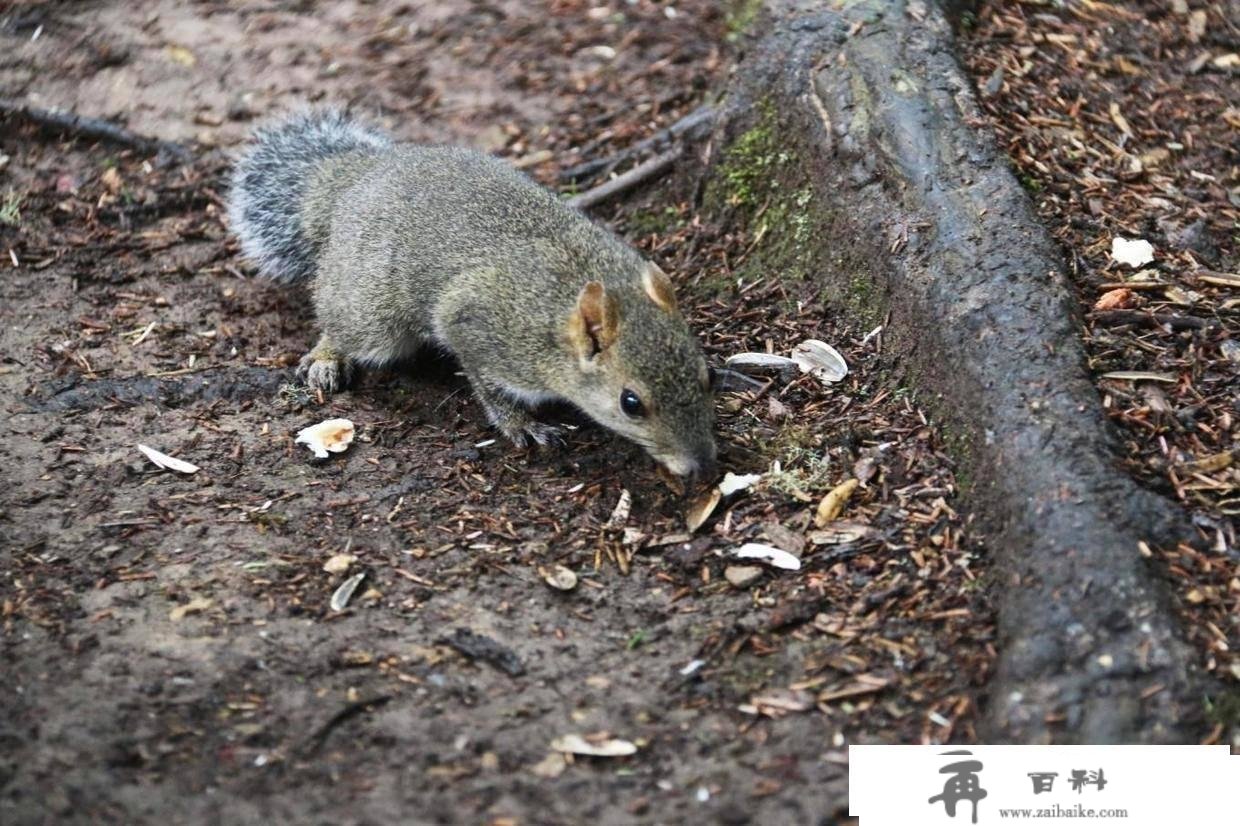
point(1178, 296)
point(1119, 120)
point(780, 701)
point(339, 563)
point(340, 599)
point(111, 179)
point(356, 659)
point(167, 462)
point(1115, 299)
point(1155, 157)
point(864, 684)
point(559, 577)
point(701, 509)
point(181, 55)
point(1138, 375)
point(1210, 464)
point(551, 766)
point(333, 435)
point(620, 513)
point(832, 505)
point(840, 533)
point(194, 606)
point(593, 747)
point(1220, 279)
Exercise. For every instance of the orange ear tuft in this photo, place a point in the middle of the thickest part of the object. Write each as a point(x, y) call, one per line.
point(595, 323)
point(659, 288)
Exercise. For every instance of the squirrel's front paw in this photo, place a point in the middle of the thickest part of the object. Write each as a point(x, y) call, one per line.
point(524, 430)
point(545, 434)
point(327, 374)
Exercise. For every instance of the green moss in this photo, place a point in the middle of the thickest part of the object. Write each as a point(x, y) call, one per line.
point(1224, 709)
point(740, 16)
point(1030, 183)
point(654, 221)
point(749, 174)
point(860, 298)
point(762, 185)
point(803, 464)
point(715, 285)
point(10, 209)
point(960, 447)
point(745, 676)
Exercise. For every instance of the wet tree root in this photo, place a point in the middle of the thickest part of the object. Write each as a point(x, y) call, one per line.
point(92, 129)
point(916, 214)
point(240, 384)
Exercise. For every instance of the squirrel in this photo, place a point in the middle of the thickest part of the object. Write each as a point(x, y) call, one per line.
point(409, 245)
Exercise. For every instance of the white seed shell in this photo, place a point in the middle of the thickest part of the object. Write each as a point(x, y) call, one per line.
point(333, 435)
point(820, 360)
point(775, 557)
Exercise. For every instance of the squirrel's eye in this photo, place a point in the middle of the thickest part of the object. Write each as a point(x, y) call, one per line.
point(631, 404)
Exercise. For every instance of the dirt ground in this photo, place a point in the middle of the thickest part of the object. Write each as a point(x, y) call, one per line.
point(168, 644)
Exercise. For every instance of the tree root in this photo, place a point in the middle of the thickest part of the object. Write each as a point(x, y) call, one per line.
point(867, 102)
point(93, 129)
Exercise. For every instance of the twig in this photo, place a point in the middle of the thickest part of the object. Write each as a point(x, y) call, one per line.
point(639, 174)
point(481, 647)
point(316, 740)
point(701, 117)
point(1175, 322)
point(93, 128)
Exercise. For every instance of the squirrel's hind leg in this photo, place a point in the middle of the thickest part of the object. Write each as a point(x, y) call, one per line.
point(326, 368)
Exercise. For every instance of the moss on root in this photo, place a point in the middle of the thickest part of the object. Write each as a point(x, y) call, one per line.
point(740, 17)
point(764, 185)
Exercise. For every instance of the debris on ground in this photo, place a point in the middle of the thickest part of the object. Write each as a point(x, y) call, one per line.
point(330, 436)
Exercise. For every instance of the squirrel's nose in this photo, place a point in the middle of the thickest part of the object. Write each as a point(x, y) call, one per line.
point(705, 468)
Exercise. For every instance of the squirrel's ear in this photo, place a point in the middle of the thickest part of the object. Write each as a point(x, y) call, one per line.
point(659, 289)
point(595, 322)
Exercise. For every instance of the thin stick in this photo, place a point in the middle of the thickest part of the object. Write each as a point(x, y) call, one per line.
point(700, 117)
point(639, 174)
point(92, 128)
point(1148, 319)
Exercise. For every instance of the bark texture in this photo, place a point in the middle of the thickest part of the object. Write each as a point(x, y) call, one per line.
point(912, 207)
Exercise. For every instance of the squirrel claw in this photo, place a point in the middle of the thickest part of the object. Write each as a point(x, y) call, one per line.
point(541, 434)
point(326, 374)
point(546, 435)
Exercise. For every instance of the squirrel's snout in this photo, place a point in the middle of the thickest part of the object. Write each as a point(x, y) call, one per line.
point(705, 468)
point(699, 466)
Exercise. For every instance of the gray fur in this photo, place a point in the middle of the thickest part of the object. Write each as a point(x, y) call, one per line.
point(415, 245)
point(274, 173)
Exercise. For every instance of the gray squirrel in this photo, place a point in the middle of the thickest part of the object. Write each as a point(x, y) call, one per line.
point(406, 246)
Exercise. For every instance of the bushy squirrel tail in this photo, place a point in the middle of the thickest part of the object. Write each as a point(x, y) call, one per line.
point(270, 182)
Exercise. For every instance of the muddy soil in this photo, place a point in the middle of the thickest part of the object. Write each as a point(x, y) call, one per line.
point(168, 642)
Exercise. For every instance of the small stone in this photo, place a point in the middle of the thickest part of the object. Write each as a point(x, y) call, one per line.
point(742, 576)
point(339, 563)
point(1230, 350)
